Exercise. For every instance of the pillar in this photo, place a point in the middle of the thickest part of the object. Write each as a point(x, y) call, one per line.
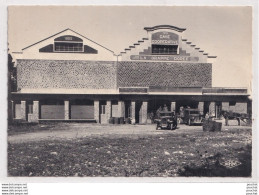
point(249, 108)
point(12, 111)
point(66, 111)
point(121, 108)
point(143, 113)
point(108, 110)
point(173, 106)
point(201, 107)
point(96, 110)
point(212, 109)
point(23, 110)
point(35, 114)
point(133, 117)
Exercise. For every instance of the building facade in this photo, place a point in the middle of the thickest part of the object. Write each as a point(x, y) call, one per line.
point(68, 77)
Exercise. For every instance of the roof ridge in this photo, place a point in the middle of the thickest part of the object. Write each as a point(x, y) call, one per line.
point(64, 31)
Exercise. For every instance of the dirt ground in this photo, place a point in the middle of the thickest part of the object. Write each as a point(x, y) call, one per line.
point(83, 149)
point(54, 131)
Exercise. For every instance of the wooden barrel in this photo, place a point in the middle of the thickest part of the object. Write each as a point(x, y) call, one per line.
point(111, 120)
point(127, 120)
point(121, 120)
point(116, 120)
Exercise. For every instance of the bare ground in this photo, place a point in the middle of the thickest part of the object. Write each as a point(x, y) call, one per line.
point(78, 149)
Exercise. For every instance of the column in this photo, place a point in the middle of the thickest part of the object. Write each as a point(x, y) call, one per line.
point(121, 108)
point(249, 108)
point(173, 106)
point(108, 110)
point(212, 109)
point(133, 117)
point(23, 110)
point(96, 111)
point(66, 107)
point(201, 107)
point(35, 117)
point(12, 110)
point(144, 113)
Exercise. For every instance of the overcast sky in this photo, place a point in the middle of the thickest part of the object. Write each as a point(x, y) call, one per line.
point(225, 32)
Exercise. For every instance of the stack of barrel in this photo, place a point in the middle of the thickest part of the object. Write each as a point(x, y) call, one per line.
point(210, 125)
point(116, 120)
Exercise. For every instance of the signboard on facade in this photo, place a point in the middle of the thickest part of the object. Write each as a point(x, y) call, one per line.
point(164, 58)
point(69, 38)
point(165, 38)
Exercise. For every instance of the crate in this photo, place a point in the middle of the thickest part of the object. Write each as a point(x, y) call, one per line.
point(209, 125)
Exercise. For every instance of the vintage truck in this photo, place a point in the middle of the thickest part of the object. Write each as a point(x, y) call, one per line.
point(191, 116)
point(166, 120)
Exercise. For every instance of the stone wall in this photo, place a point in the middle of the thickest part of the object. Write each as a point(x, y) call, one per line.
point(69, 74)
point(165, 74)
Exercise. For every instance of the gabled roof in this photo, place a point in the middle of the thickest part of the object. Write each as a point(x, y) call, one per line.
point(64, 31)
point(165, 27)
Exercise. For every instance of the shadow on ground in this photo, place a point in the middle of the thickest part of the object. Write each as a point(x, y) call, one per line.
point(216, 169)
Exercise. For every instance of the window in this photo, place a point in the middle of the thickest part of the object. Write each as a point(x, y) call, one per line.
point(164, 49)
point(68, 47)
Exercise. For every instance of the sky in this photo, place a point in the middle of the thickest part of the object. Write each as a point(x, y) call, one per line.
point(225, 32)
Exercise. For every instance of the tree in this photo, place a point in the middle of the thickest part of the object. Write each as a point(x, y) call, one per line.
point(12, 86)
point(12, 75)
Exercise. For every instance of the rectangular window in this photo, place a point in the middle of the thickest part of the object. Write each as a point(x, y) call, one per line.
point(69, 47)
point(164, 49)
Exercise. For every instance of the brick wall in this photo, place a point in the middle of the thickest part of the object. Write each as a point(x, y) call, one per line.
point(66, 74)
point(146, 74)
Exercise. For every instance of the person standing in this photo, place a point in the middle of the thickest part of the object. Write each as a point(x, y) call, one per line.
point(226, 118)
point(165, 109)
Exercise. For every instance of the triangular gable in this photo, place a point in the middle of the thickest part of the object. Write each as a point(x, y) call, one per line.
point(67, 30)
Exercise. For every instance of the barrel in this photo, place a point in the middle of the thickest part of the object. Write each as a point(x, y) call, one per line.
point(111, 120)
point(127, 120)
point(121, 120)
point(116, 120)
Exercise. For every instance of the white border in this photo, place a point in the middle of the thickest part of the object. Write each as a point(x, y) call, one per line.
point(3, 86)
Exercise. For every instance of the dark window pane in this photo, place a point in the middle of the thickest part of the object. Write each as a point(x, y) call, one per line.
point(70, 47)
point(164, 49)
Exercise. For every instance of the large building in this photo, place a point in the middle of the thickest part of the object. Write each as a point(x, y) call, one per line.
point(68, 77)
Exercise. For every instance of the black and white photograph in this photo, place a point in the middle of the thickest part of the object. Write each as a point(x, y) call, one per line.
point(130, 91)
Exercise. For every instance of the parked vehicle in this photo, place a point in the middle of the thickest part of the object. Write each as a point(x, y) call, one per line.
point(191, 116)
point(166, 120)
